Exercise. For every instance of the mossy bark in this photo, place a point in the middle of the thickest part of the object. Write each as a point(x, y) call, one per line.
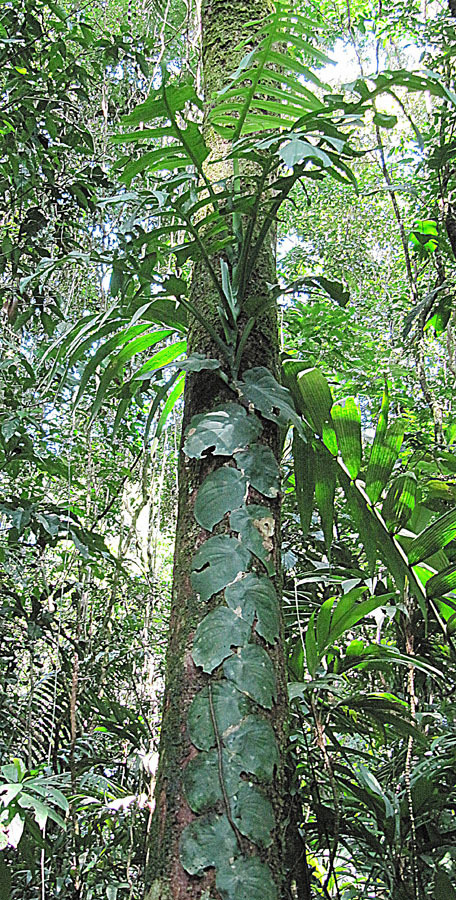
point(224, 25)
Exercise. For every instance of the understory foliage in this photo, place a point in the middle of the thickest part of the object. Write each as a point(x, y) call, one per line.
point(111, 197)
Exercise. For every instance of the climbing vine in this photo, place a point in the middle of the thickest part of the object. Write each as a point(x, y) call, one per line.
point(226, 784)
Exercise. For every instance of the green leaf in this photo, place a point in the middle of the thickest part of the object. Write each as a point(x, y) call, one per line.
point(255, 525)
point(254, 595)
point(202, 780)
point(433, 538)
point(253, 814)
point(312, 656)
point(197, 362)
point(304, 472)
point(443, 887)
point(296, 150)
point(223, 431)
point(316, 398)
point(218, 562)
point(219, 631)
point(221, 492)
point(246, 879)
point(347, 424)
point(325, 487)
point(442, 583)
point(384, 454)
point(253, 673)
point(230, 706)
point(272, 400)
point(384, 121)
point(400, 501)
point(260, 466)
point(254, 746)
point(352, 615)
point(209, 841)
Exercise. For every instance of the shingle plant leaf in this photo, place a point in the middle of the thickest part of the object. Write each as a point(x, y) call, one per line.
point(246, 879)
point(209, 841)
point(218, 562)
point(223, 431)
point(254, 595)
point(221, 492)
point(254, 745)
point(252, 672)
point(202, 779)
point(255, 525)
point(229, 705)
point(270, 398)
point(216, 634)
point(260, 466)
point(253, 814)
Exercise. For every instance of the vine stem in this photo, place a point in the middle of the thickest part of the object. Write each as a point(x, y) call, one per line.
point(220, 772)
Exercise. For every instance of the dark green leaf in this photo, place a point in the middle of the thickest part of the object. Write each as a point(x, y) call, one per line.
point(253, 814)
point(229, 705)
point(209, 841)
point(218, 562)
point(252, 671)
point(256, 528)
point(223, 431)
point(246, 879)
point(254, 745)
point(216, 635)
point(433, 538)
point(221, 492)
point(254, 595)
point(260, 466)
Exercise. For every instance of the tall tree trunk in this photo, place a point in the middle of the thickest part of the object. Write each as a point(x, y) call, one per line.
point(245, 818)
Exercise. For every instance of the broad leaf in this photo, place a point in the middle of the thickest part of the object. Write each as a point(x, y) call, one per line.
point(218, 562)
point(252, 671)
point(216, 635)
point(221, 492)
point(254, 596)
point(209, 841)
point(223, 431)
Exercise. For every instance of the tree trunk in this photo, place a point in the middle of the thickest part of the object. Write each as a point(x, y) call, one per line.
point(202, 845)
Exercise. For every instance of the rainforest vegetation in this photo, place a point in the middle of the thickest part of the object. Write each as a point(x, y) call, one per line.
point(227, 450)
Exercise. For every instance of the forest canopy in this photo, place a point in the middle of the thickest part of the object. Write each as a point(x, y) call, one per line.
point(227, 280)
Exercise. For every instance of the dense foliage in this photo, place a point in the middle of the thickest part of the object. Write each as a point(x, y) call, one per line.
point(108, 206)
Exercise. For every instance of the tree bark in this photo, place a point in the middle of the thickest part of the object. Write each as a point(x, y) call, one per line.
point(224, 25)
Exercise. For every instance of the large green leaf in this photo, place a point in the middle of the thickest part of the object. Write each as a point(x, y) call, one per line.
point(223, 431)
point(260, 466)
point(219, 631)
point(384, 453)
point(254, 596)
point(202, 780)
point(347, 423)
point(246, 879)
point(316, 398)
point(304, 472)
point(442, 583)
point(254, 745)
point(221, 492)
point(270, 398)
point(252, 671)
point(256, 527)
point(433, 538)
point(218, 562)
point(325, 487)
point(253, 814)
point(209, 841)
point(229, 707)
point(400, 501)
